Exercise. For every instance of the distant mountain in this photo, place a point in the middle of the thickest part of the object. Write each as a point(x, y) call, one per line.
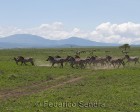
point(83, 42)
point(26, 39)
point(33, 41)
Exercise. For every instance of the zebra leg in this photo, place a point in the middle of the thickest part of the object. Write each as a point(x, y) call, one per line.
point(32, 63)
point(24, 63)
point(62, 64)
point(52, 65)
point(137, 61)
point(82, 66)
point(16, 62)
point(127, 62)
point(21, 63)
point(119, 65)
point(122, 63)
point(76, 65)
point(71, 64)
point(113, 65)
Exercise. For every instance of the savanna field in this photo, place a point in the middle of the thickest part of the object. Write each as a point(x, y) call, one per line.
point(42, 88)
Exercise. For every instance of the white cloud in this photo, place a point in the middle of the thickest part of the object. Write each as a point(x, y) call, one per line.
point(117, 33)
point(106, 32)
point(53, 26)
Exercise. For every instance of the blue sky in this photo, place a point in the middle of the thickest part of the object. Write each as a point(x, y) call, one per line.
point(75, 15)
point(85, 14)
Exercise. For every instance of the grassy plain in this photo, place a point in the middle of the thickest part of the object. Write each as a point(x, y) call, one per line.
point(43, 89)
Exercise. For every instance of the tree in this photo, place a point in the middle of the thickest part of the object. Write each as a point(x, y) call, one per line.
point(125, 46)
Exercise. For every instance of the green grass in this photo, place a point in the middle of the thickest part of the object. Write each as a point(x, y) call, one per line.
point(108, 90)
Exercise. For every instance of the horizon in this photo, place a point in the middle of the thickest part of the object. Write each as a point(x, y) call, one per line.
point(113, 21)
point(29, 35)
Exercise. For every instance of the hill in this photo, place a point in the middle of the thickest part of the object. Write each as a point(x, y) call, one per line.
point(33, 41)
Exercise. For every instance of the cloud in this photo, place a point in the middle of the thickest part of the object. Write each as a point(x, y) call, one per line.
point(106, 32)
point(117, 33)
point(53, 26)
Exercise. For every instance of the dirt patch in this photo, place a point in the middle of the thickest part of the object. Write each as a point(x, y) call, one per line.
point(34, 88)
point(47, 65)
point(88, 67)
point(103, 67)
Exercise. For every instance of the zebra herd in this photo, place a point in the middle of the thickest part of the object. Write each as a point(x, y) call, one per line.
point(77, 62)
